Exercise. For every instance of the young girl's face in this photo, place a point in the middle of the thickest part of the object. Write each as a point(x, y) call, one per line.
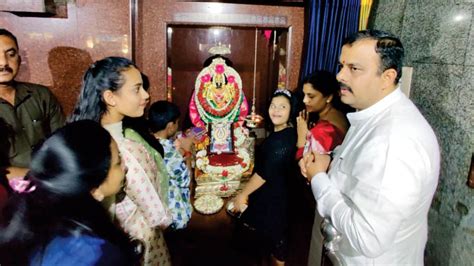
point(279, 111)
point(131, 99)
point(116, 174)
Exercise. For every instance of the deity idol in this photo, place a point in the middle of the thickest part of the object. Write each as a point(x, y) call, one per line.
point(218, 96)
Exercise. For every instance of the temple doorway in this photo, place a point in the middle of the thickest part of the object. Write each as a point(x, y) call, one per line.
point(188, 48)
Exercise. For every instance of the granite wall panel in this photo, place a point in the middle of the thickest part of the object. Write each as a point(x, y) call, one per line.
point(470, 49)
point(152, 23)
point(438, 38)
point(392, 18)
point(57, 51)
point(436, 31)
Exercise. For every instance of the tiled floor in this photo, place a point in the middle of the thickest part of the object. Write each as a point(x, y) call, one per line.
point(208, 240)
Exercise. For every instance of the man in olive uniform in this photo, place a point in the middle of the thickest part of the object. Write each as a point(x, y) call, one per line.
point(31, 110)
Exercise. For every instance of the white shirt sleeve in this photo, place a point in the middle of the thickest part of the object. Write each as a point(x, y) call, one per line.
point(382, 184)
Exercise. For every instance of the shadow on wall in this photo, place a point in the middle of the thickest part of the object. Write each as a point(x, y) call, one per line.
point(24, 74)
point(67, 65)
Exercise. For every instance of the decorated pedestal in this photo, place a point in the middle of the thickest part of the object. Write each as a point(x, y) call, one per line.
point(222, 174)
point(224, 155)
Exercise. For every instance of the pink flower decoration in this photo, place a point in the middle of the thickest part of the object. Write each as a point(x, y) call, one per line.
point(230, 79)
point(225, 173)
point(206, 78)
point(219, 69)
point(267, 34)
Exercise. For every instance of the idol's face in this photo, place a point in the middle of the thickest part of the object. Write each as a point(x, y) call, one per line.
point(9, 59)
point(361, 82)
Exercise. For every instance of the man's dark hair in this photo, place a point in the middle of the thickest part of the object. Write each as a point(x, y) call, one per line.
point(5, 32)
point(389, 48)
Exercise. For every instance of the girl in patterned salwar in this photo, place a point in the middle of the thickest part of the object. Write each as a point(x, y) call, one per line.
point(112, 89)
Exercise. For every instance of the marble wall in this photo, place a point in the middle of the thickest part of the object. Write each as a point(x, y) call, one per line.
point(438, 36)
point(56, 51)
point(152, 26)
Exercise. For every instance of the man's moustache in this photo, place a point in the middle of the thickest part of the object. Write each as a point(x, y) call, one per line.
point(7, 69)
point(345, 86)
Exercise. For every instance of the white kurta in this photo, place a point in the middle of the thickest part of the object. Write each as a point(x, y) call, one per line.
point(380, 184)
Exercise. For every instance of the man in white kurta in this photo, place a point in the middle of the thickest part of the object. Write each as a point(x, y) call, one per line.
point(380, 183)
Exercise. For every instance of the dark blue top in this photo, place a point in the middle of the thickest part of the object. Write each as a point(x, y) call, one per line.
point(79, 250)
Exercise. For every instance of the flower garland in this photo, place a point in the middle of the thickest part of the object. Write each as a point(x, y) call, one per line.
point(201, 100)
point(208, 118)
point(208, 111)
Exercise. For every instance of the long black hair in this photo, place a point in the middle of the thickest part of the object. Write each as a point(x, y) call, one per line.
point(63, 172)
point(326, 83)
point(105, 74)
